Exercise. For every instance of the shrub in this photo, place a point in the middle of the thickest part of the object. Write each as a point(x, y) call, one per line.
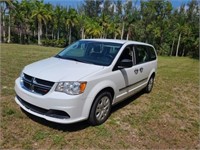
point(54, 42)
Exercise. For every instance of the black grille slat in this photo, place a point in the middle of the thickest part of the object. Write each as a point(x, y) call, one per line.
point(27, 77)
point(36, 85)
point(44, 82)
point(41, 90)
point(41, 86)
point(27, 85)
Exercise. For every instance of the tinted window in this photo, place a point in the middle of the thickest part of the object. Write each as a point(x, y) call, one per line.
point(126, 54)
point(152, 53)
point(142, 54)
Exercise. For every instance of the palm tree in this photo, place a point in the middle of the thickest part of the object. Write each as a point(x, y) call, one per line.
point(96, 30)
point(104, 24)
point(41, 15)
point(92, 28)
point(113, 29)
point(58, 14)
point(82, 22)
point(71, 21)
point(19, 18)
point(181, 26)
point(23, 20)
point(6, 4)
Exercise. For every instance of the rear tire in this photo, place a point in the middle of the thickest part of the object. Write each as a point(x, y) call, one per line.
point(149, 86)
point(101, 108)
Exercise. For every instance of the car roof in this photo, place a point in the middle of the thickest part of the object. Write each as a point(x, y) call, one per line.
point(117, 41)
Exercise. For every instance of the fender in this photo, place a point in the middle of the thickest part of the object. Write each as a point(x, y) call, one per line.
point(93, 93)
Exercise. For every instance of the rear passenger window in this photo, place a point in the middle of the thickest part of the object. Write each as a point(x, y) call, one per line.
point(142, 54)
point(152, 53)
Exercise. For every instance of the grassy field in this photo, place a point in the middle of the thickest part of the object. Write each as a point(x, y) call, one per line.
point(167, 118)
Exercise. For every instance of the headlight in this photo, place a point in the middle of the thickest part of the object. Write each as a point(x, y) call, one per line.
point(71, 88)
point(21, 77)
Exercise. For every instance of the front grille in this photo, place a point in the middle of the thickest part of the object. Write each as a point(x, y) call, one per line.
point(36, 85)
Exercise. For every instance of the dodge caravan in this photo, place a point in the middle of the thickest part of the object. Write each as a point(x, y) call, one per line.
point(86, 79)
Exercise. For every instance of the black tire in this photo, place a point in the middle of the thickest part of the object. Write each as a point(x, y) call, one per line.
point(149, 86)
point(101, 108)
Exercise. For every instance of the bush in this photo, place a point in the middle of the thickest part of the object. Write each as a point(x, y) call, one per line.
point(54, 42)
point(164, 49)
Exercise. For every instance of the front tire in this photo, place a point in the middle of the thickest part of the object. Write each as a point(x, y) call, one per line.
point(101, 108)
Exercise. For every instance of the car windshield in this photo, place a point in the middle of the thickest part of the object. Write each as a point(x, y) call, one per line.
point(93, 52)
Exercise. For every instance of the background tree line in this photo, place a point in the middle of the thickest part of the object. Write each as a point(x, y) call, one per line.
point(173, 31)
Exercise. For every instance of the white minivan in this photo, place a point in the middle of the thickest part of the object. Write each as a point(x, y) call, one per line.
point(85, 79)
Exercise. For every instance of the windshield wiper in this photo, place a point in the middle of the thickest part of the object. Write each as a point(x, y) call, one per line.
point(58, 56)
point(83, 61)
point(78, 60)
point(69, 58)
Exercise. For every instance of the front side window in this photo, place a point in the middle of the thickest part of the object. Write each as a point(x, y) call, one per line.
point(93, 52)
point(127, 54)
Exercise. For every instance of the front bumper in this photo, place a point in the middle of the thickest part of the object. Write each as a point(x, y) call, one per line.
point(54, 106)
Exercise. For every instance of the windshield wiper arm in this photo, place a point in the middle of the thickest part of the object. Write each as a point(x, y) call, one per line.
point(74, 59)
point(58, 56)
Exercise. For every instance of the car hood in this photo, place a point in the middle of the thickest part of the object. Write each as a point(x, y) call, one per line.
point(56, 69)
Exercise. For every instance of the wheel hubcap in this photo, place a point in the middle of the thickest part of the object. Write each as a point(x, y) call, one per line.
point(102, 109)
point(150, 84)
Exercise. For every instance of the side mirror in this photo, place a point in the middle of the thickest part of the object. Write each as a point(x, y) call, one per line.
point(125, 63)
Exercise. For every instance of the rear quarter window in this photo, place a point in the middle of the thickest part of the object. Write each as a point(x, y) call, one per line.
point(144, 54)
point(152, 53)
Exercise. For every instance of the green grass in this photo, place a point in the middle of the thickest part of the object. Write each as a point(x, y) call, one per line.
point(168, 117)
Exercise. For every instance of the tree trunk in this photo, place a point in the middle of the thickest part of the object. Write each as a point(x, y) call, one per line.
point(70, 31)
point(172, 47)
point(52, 34)
point(179, 39)
point(82, 33)
point(4, 28)
point(28, 39)
point(127, 36)
point(105, 36)
point(9, 28)
point(58, 34)
point(46, 32)
point(39, 32)
point(183, 51)
point(115, 36)
point(20, 36)
point(102, 34)
point(122, 32)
